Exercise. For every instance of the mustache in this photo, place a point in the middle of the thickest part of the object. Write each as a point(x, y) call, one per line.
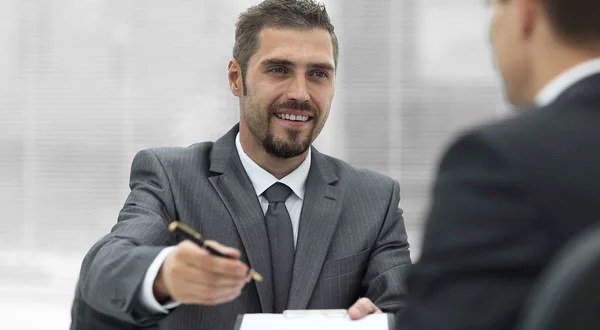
point(295, 105)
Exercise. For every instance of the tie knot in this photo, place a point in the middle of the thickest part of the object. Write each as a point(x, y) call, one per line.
point(278, 192)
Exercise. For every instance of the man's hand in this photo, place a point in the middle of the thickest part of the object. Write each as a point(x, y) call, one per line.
point(191, 275)
point(361, 308)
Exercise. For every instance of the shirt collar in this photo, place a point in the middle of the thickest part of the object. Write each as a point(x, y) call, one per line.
point(262, 180)
point(566, 79)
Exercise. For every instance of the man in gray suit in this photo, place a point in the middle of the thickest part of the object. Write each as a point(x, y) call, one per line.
point(323, 234)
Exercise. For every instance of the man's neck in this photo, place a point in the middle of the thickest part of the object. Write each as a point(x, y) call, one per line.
point(278, 167)
point(556, 61)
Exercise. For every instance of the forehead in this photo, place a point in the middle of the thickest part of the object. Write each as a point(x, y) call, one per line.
point(300, 46)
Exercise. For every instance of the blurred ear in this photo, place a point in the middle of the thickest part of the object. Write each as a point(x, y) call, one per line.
point(527, 14)
point(234, 74)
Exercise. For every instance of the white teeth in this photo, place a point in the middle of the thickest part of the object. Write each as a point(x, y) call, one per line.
point(292, 117)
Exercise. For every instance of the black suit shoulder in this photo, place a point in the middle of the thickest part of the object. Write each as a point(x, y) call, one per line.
point(545, 134)
point(507, 196)
point(553, 151)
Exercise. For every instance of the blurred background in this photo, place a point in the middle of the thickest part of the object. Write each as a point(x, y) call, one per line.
point(85, 84)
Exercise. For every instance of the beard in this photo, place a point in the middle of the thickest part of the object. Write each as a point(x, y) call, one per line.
point(287, 149)
point(294, 144)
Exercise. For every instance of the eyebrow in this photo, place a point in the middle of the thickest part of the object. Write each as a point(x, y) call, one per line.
point(288, 63)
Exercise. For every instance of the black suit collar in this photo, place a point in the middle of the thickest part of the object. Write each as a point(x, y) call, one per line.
point(587, 89)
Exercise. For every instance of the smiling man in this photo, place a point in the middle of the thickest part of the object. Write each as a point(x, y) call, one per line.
point(322, 234)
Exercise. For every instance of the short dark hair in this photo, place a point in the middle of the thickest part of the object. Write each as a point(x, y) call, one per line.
point(576, 22)
point(292, 14)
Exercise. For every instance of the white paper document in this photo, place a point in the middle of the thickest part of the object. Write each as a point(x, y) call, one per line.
point(312, 322)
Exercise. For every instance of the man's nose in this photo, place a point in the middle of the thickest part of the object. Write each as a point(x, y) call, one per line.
point(298, 89)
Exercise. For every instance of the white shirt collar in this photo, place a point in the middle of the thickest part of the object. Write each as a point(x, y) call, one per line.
point(566, 79)
point(262, 180)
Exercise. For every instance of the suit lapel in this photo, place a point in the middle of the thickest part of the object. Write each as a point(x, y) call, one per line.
point(235, 190)
point(318, 221)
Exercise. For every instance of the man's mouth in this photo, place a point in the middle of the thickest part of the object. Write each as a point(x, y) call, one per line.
point(286, 116)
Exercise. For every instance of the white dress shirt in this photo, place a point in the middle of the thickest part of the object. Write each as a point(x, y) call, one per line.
point(566, 79)
point(261, 181)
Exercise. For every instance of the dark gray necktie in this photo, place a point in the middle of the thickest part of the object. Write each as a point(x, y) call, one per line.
point(281, 241)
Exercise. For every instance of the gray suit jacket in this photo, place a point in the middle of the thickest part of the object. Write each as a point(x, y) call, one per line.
point(351, 242)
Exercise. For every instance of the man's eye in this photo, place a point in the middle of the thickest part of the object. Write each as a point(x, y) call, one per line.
point(278, 70)
point(321, 74)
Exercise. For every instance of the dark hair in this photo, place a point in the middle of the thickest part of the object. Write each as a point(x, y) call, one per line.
point(576, 22)
point(293, 14)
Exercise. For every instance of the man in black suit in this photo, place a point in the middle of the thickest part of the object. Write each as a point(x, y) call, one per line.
point(510, 194)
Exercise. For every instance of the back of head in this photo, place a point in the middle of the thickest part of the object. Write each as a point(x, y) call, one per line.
point(535, 40)
point(575, 22)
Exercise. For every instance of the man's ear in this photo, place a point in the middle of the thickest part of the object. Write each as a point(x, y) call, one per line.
point(528, 12)
point(234, 74)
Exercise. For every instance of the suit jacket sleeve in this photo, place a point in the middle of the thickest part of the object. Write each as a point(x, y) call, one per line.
point(389, 260)
point(113, 270)
point(481, 246)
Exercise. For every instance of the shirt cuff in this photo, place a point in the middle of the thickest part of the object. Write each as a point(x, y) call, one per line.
point(147, 292)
